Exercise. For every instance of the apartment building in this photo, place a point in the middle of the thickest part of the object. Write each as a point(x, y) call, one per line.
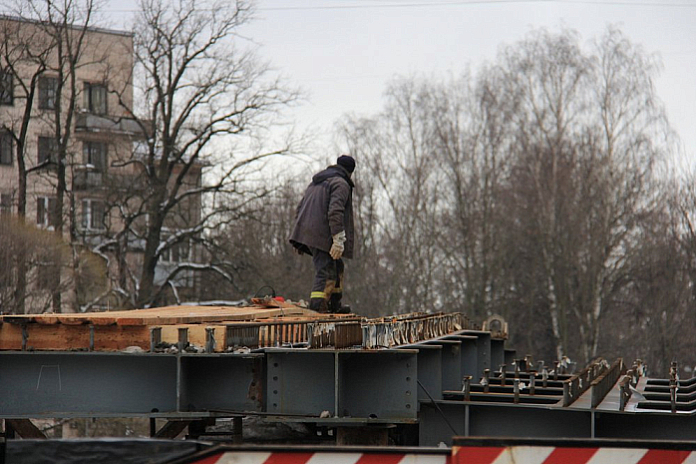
point(102, 181)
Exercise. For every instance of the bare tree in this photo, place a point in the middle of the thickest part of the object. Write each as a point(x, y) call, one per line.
point(587, 128)
point(657, 303)
point(253, 250)
point(626, 151)
point(545, 164)
point(25, 52)
point(68, 25)
point(37, 249)
point(472, 150)
point(368, 280)
point(544, 76)
point(198, 91)
point(44, 41)
point(398, 188)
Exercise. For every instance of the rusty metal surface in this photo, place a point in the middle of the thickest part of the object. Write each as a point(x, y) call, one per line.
point(316, 333)
point(673, 394)
point(606, 381)
point(341, 370)
point(410, 328)
point(272, 324)
point(497, 326)
point(332, 334)
point(382, 333)
point(581, 382)
point(522, 386)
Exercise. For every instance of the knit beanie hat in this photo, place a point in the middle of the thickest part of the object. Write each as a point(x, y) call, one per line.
point(347, 162)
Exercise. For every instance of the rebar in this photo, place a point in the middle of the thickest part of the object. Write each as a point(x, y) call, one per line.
point(409, 328)
point(466, 387)
point(624, 392)
point(517, 390)
point(673, 385)
point(183, 339)
point(210, 342)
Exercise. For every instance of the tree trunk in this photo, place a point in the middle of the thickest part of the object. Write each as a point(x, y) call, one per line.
point(21, 263)
point(150, 257)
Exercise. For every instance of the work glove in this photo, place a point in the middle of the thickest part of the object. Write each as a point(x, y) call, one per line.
point(337, 248)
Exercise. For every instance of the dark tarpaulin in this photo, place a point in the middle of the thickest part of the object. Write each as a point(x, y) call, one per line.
point(101, 451)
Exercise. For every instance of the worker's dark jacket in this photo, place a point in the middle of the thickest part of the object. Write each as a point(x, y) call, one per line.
point(325, 210)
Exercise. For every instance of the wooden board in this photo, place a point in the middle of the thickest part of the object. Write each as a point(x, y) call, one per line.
point(161, 316)
point(118, 330)
point(69, 337)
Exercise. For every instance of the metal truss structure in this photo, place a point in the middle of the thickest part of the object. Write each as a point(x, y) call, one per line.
point(446, 380)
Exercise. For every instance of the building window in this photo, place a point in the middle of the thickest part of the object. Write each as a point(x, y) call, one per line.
point(6, 148)
point(177, 253)
point(95, 155)
point(93, 215)
point(48, 90)
point(95, 98)
point(48, 150)
point(44, 211)
point(5, 204)
point(6, 88)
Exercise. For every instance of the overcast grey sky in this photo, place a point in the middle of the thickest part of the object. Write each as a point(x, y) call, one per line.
point(342, 52)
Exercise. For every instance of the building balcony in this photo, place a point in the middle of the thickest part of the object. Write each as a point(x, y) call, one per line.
point(88, 122)
point(85, 178)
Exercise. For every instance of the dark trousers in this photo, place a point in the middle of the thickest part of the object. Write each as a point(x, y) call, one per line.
point(327, 289)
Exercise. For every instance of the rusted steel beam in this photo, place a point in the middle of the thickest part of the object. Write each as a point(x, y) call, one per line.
point(580, 382)
point(606, 381)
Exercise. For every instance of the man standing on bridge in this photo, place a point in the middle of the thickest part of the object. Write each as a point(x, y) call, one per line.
point(324, 229)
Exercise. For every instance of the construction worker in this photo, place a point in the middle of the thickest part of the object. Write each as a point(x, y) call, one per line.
point(324, 229)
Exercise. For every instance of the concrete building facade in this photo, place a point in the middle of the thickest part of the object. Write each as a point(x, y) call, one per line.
point(47, 100)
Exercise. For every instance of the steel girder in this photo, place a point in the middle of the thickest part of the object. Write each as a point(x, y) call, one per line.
point(454, 418)
point(335, 387)
point(378, 384)
point(47, 384)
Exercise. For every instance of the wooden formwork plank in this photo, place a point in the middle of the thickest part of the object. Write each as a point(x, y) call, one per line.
point(161, 316)
point(196, 334)
point(117, 330)
point(191, 317)
point(46, 319)
point(60, 337)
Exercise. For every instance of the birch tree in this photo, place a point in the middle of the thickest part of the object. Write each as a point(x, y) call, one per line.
point(588, 130)
point(395, 152)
